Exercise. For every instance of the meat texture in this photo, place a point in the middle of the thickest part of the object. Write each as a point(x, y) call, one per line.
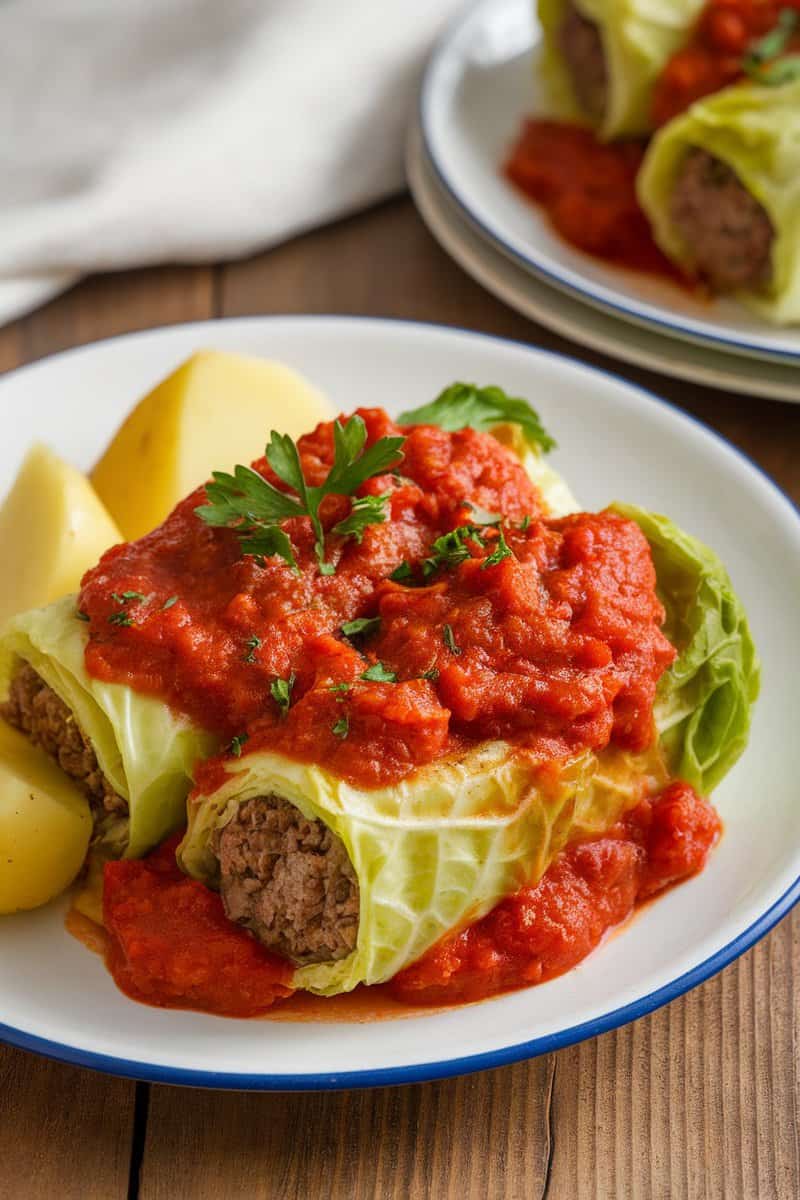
point(726, 230)
point(582, 49)
point(288, 880)
point(35, 709)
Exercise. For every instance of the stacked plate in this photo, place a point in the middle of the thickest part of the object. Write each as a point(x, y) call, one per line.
point(478, 87)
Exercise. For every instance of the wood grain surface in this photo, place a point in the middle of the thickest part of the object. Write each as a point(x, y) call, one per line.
point(699, 1100)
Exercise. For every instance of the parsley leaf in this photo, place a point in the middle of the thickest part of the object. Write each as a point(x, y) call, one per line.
point(450, 549)
point(402, 573)
point(120, 618)
point(235, 745)
point(252, 644)
point(341, 728)
point(466, 405)
point(169, 603)
point(524, 523)
point(502, 550)
point(448, 637)
point(127, 597)
point(251, 505)
point(378, 673)
point(281, 692)
point(82, 616)
point(772, 43)
point(783, 70)
point(361, 625)
point(366, 510)
point(340, 688)
point(432, 673)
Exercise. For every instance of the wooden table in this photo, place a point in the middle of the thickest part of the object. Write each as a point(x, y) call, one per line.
point(702, 1099)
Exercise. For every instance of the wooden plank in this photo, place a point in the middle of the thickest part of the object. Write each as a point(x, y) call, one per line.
point(63, 1131)
point(462, 1139)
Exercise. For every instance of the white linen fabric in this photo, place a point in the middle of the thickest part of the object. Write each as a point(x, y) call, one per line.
point(141, 131)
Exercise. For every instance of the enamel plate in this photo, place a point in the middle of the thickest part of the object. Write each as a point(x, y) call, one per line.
point(615, 441)
point(479, 86)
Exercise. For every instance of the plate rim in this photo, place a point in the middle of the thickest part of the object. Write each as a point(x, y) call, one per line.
point(428, 195)
point(463, 1064)
point(588, 293)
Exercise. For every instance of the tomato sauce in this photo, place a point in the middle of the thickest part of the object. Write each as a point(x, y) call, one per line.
point(712, 58)
point(588, 190)
point(555, 641)
point(543, 931)
point(171, 945)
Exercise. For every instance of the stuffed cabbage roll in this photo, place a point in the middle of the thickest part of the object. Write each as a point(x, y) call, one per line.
point(602, 59)
point(720, 185)
point(129, 752)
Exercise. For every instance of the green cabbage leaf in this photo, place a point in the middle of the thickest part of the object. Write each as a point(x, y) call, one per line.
point(146, 751)
point(433, 852)
point(703, 703)
point(755, 130)
point(639, 37)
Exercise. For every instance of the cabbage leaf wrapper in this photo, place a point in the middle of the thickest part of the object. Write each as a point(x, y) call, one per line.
point(755, 129)
point(146, 751)
point(638, 36)
point(435, 851)
point(703, 702)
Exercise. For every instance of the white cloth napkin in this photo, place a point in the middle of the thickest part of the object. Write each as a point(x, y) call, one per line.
point(144, 131)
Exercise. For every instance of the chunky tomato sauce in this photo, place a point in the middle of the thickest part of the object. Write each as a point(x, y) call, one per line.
point(556, 644)
point(171, 945)
point(588, 190)
point(543, 931)
point(713, 56)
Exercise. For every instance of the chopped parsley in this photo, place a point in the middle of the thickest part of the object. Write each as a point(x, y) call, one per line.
point(248, 503)
point(402, 573)
point(501, 551)
point(361, 626)
point(378, 673)
point(340, 689)
point(524, 523)
point(169, 603)
point(236, 743)
point(252, 645)
point(341, 728)
point(127, 597)
point(449, 639)
point(432, 673)
point(82, 616)
point(281, 692)
point(120, 618)
point(758, 62)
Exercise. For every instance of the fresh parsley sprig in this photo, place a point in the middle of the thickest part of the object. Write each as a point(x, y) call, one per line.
point(252, 506)
point(758, 62)
point(465, 405)
point(281, 692)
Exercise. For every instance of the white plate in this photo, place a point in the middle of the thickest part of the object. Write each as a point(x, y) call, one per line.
point(478, 87)
point(583, 323)
point(56, 997)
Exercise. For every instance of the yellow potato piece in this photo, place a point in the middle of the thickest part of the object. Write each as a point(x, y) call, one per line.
point(215, 411)
point(45, 825)
point(52, 529)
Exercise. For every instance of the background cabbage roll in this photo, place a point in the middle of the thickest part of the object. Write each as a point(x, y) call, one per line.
point(131, 754)
point(354, 885)
point(602, 57)
point(721, 187)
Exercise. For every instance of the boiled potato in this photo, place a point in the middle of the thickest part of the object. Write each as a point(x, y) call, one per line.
point(215, 411)
point(52, 529)
point(45, 825)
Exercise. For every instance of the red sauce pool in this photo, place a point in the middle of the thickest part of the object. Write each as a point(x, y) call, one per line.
point(588, 190)
point(712, 58)
point(557, 645)
point(170, 945)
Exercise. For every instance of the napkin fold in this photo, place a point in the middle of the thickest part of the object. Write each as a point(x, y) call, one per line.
point(145, 131)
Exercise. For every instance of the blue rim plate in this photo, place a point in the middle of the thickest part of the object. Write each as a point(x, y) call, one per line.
point(615, 440)
point(478, 86)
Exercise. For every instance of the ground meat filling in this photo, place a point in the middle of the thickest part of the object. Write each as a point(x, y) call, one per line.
point(727, 231)
point(36, 710)
point(289, 881)
point(582, 49)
